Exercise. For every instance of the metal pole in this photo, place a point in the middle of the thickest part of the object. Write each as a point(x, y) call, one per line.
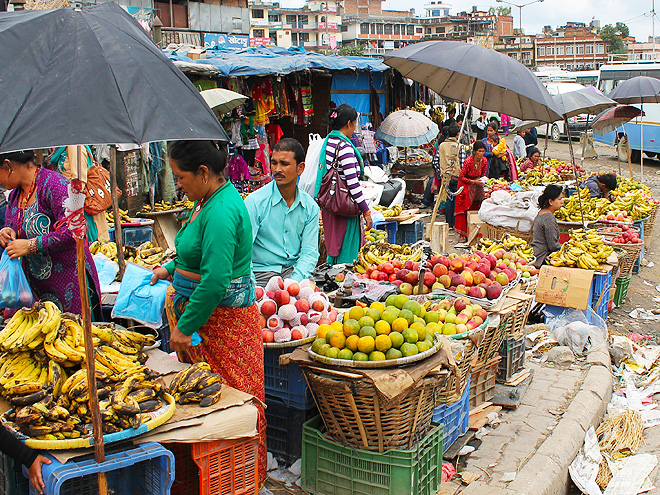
point(115, 211)
point(641, 143)
point(577, 179)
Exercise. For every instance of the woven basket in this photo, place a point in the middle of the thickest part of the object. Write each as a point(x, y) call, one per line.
point(648, 224)
point(355, 415)
point(493, 232)
point(455, 385)
point(627, 264)
point(528, 285)
point(515, 316)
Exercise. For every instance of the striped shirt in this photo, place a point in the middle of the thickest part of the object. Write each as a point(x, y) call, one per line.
point(349, 169)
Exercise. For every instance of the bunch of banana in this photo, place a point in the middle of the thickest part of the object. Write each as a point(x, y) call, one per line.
point(538, 176)
point(147, 255)
point(635, 203)
point(167, 205)
point(584, 249)
point(509, 243)
point(123, 214)
point(29, 328)
point(381, 252)
point(107, 248)
point(196, 384)
point(244, 195)
point(625, 185)
point(395, 211)
point(593, 208)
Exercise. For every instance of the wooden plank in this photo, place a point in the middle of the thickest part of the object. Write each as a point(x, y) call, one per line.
point(414, 218)
point(480, 419)
point(460, 442)
point(516, 379)
point(439, 236)
point(480, 407)
point(404, 215)
point(510, 397)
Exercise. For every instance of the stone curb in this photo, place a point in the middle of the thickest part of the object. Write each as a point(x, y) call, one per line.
point(546, 473)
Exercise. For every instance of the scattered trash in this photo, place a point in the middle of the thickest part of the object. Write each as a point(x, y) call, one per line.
point(556, 412)
point(585, 466)
point(561, 355)
point(507, 477)
point(644, 314)
point(468, 449)
point(650, 264)
point(265, 491)
point(636, 337)
point(468, 477)
point(284, 476)
point(296, 467)
point(271, 463)
point(493, 419)
point(631, 475)
point(480, 433)
point(448, 471)
point(647, 283)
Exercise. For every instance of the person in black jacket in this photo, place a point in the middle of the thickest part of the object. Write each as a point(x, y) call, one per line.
point(17, 450)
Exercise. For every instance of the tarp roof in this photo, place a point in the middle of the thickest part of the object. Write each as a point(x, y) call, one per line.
point(262, 61)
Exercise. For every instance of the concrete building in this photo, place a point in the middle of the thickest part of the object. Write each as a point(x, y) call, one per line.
point(316, 26)
point(574, 46)
point(520, 48)
point(643, 51)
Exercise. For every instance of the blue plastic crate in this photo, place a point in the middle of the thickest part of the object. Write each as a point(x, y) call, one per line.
point(638, 263)
point(391, 227)
point(284, 427)
point(12, 481)
point(146, 469)
point(410, 233)
point(286, 383)
point(454, 417)
point(600, 285)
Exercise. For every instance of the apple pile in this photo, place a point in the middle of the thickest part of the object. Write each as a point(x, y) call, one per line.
point(389, 270)
point(618, 216)
point(629, 236)
point(478, 275)
point(292, 311)
point(457, 315)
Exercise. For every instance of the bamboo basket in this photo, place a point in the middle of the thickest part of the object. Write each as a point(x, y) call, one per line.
point(455, 386)
point(627, 264)
point(493, 232)
point(648, 224)
point(355, 415)
point(516, 316)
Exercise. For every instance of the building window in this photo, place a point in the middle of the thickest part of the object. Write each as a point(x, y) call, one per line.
point(257, 13)
point(580, 49)
point(440, 29)
point(304, 37)
point(410, 29)
point(273, 38)
point(303, 19)
point(428, 30)
point(420, 30)
point(569, 50)
point(290, 19)
point(257, 33)
point(600, 49)
point(344, 28)
point(364, 28)
point(379, 29)
point(513, 55)
point(560, 50)
point(373, 29)
point(388, 29)
point(274, 18)
point(550, 50)
point(589, 49)
point(541, 51)
point(397, 29)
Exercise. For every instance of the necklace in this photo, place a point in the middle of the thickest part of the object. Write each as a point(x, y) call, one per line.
point(201, 202)
point(23, 201)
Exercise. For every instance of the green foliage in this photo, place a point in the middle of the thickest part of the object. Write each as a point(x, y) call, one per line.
point(352, 51)
point(613, 36)
point(501, 10)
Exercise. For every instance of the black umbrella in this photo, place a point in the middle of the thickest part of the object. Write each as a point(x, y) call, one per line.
point(640, 89)
point(92, 76)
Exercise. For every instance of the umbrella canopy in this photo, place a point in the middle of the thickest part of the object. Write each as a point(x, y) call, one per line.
point(613, 118)
point(92, 76)
point(640, 89)
point(582, 101)
point(222, 100)
point(407, 128)
point(460, 70)
point(525, 125)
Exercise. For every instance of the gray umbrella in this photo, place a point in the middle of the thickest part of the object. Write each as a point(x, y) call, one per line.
point(462, 71)
point(92, 76)
point(640, 89)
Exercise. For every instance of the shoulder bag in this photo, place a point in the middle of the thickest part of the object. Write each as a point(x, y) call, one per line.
point(334, 196)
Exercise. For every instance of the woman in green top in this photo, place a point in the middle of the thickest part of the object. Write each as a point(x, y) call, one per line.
point(213, 291)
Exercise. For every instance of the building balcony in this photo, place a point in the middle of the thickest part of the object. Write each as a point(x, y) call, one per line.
point(258, 22)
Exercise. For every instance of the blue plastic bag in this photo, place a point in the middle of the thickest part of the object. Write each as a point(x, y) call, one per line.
point(15, 291)
point(139, 300)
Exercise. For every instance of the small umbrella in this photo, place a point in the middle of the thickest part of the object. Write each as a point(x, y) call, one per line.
point(223, 100)
point(613, 118)
point(525, 125)
point(407, 128)
point(640, 89)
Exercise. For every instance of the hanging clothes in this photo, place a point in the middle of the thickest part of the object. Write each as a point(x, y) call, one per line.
point(275, 133)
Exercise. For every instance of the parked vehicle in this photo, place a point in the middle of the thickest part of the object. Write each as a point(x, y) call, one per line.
point(576, 124)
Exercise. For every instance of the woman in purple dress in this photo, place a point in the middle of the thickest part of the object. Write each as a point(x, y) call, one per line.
point(49, 256)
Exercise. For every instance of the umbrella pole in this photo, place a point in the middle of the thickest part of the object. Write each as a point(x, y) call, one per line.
point(584, 141)
point(577, 179)
point(547, 130)
point(115, 211)
point(641, 146)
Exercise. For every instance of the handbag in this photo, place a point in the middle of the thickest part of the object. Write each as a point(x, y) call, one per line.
point(334, 196)
point(98, 190)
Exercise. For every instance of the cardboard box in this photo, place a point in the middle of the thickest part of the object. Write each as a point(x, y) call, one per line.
point(476, 228)
point(565, 287)
point(197, 53)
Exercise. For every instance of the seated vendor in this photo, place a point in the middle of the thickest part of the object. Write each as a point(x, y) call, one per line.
point(533, 160)
point(285, 219)
point(600, 186)
point(545, 238)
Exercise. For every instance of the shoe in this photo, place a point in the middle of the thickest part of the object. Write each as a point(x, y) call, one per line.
point(424, 205)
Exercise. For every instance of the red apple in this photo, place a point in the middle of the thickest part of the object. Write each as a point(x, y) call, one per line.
point(457, 280)
point(270, 294)
point(396, 264)
point(392, 277)
point(382, 276)
point(494, 291)
point(406, 288)
point(268, 308)
point(293, 289)
point(282, 297)
point(398, 283)
point(412, 277)
point(388, 268)
point(409, 265)
point(445, 280)
point(460, 304)
point(318, 305)
point(259, 292)
point(439, 270)
point(401, 274)
point(302, 305)
point(457, 264)
point(374, 275)
point(429, 279)
point(296, 334)
point(267, 335)
point(469, 279)
point(324, 321)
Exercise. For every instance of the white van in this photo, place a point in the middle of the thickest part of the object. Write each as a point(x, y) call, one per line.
point(576, 124)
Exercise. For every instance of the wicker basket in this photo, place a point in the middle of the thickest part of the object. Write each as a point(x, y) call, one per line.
point(355, 415)
point(515, 316)
point(490, 344)
point(528, 285)
point(493, 232)
point(648, 224)
point(627, 264)
point(456, 382)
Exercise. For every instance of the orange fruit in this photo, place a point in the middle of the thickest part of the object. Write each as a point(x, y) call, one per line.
point(383, 343)
point(376, 356)
point(382, 327)
point(336, 325)
point(351, 327)
point(322, 331)
point(355, 313)
point(338, 340)
point(366, 344)
point(399, 325)
point(352, 342)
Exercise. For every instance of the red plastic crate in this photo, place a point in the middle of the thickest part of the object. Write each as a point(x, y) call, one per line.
point(221, 467)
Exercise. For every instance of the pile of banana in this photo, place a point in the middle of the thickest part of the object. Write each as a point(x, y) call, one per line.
point(538, 176)
point(585, 249)
point(146, 254)
point(593, 208)
point(196, 384)
point(509, 243)
point(108, 248)
point(395, 211)
point(635, 203)
point(43, 375)
point(625, 185)
point(168, 205)
point(123, 214)
point(377, 253)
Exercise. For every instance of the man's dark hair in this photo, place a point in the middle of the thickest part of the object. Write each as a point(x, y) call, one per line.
point(290, 144)
point(453, 130)
point(608, 180)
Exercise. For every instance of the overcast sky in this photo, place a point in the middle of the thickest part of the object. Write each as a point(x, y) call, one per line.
point(635, 13)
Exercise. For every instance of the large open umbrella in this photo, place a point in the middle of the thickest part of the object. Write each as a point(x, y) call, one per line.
point(92, 76)
point(407, 128)
point(613, 118)
point(223, 100)
point(640, 89)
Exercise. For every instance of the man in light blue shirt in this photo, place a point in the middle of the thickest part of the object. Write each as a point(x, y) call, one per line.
point(285, 219)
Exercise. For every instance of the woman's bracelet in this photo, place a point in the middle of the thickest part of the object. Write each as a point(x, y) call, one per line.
point(33, 246)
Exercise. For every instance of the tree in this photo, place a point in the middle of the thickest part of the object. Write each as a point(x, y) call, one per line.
point(613, 37)
point(502, 11)
point(352, 51)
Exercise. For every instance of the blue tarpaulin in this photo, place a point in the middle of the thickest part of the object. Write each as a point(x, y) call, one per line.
point(353, 89)
point(262, 61)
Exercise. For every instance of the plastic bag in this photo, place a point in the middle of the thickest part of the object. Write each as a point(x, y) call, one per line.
point(307, 181)
point(138, 299)
point(106, 269)
point(582, 331)
point(15, 290)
